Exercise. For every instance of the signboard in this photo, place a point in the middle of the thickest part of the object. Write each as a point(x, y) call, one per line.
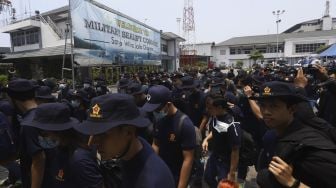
point(104, 37)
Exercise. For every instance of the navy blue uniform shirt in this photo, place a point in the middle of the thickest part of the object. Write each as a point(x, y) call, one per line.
point(29, 146)
point(223, 142)
point(171, 147)
point(68, 169)
point(146, 170)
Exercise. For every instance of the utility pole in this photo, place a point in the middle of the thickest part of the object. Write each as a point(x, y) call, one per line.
point(278, 13)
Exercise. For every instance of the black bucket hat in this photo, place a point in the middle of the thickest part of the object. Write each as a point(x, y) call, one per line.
point(52, 117)
point(188, 82)
point(123, 83)
point(217, 81)
point(135, 88)
point(20, 85)
point(279, 89)
point(109, 111)
point(44, 92)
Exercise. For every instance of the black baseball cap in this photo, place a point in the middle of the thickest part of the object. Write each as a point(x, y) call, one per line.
point(109, 111)
point(157, 96)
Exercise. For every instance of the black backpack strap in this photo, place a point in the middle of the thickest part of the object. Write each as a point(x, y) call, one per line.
point(180, 124)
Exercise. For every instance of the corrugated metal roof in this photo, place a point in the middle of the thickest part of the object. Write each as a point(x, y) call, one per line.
point(266, 39)
point(44, 52)
point(56, 11)
point(170, 35)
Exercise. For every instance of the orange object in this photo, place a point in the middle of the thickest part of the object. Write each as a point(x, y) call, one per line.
point(228, 184)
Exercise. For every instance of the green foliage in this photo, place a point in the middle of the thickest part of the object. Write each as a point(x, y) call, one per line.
point(3, 80)
point(255, 55)
point(322, 48)
point(239, 64)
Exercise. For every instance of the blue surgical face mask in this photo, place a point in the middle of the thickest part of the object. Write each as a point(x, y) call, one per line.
point(47, 143)
point(75, 103)
point(159, 115)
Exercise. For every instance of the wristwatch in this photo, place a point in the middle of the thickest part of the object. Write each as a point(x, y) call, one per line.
point(296, 184)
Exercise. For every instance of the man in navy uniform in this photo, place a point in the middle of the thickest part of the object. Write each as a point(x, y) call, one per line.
point(32, 155)
point(114, 119)
point(303, 154)
point(174, 136)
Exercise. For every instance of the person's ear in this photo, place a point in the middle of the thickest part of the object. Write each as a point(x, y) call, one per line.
point(292, 108)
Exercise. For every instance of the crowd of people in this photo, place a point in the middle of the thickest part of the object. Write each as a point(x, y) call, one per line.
point(164, 130)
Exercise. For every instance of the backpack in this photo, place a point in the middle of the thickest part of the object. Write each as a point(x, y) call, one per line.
point(198, 166)
point(248, 152)
point(8, 141)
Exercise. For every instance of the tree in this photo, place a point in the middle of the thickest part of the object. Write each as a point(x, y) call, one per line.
point(239, 64)
point(255, 55)
point(322, 48)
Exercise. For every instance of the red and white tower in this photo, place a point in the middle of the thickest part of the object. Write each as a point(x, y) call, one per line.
point(189, 28)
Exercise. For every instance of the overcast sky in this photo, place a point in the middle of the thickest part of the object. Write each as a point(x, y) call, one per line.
point(216, 20)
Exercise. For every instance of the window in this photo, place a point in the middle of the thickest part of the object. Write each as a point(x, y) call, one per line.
point(232, 51)
point(25, 37)
point(32, 37)
point(239, 51)
point(247, 50)
point(307, 48)
point(261, 49)
point(164, 48)
point(18, 39)
point(222, 52)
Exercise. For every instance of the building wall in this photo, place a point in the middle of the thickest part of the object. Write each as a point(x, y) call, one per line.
point(26, 47)
point(49, 37)
point(204, 49)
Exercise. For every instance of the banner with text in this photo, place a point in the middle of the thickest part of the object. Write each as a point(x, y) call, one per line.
point(103, 37)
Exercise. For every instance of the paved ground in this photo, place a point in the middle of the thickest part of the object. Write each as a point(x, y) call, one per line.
point(3, 173)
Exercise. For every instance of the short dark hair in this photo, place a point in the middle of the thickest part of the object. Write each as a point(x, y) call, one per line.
point(218, 100)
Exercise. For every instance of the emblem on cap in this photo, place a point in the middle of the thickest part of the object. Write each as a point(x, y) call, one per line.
point(95, 112)
point(149, 97)
point(267, 91)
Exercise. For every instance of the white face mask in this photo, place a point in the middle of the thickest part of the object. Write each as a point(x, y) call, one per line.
point(62, 86)
point(75, 103)
point(86, 86)
point(222, 127)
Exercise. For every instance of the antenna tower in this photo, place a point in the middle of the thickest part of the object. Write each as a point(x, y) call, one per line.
point(189, 28)
point(5, 6)
point(327, 11)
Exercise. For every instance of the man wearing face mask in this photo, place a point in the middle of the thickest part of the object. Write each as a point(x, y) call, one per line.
point(62, 90)
point(79, 103)
point(193, 101)
point(32, 155)
point(174, 134)
point(87, 87)
point(122, 85)
point(114, 119)
point(226, 136)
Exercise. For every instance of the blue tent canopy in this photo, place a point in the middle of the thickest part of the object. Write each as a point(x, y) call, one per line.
point(330, 52)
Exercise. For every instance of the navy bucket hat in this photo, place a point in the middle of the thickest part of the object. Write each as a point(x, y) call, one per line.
point(109, 111)
point(52, 117)
point(276, 89)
